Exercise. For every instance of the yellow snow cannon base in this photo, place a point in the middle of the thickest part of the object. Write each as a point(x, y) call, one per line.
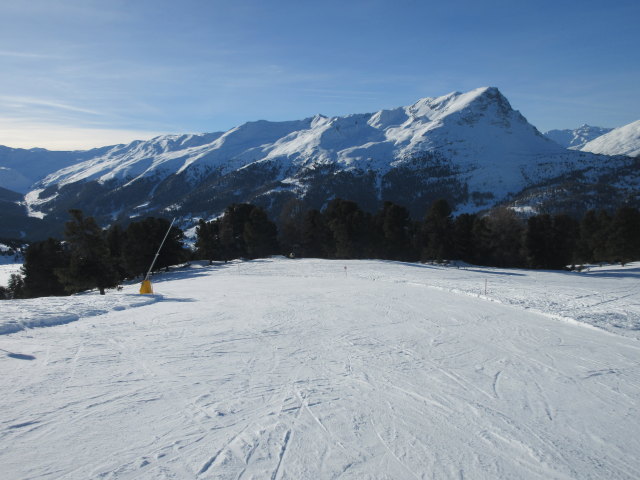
point(146, 287)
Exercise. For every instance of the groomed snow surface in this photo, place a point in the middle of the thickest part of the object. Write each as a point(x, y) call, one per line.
point(302, 369)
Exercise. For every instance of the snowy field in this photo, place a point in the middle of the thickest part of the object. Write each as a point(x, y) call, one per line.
point(302, 369)
point(6, 269)
point(8, 265)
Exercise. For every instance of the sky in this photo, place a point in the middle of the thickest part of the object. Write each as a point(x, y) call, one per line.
point(76, 74)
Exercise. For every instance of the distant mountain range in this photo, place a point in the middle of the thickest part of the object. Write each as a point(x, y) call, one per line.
point(577, 138)
point(471, 148)
point(620, 141)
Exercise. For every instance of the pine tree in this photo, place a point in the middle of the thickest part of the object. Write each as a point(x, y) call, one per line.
point(506, 232)
point(208, 240)
point(116, 238)
point(15, 286)
point(600, 238)
point(231, 228)
point(565, 235)
point(90, 264)
point(592, 238)
point(624, 236)
point(438, 232)
point(394, 228)
point(463, 238)
point(141, 243)
point(539, 241)
point(290, 226)
point(260, 235)
point(41, 261)
point(317, 240)
point(350, 228)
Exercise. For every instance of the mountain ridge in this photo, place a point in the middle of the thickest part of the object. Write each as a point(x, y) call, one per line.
point(472, 148)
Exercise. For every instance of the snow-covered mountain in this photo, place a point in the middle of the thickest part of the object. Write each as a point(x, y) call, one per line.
point(471, 148)
point(477, 128)
point(576, 138)
point(21, 168)
point(624, 140)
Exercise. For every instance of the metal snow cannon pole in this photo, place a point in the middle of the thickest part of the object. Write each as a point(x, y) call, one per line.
point(146, 287)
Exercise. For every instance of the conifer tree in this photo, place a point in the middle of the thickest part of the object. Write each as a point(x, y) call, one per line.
point(142, 241)
point(463, 238)
point(437, 232)
point(394, 229)
point(539, 241)
point(317, 240)
point(349, 226)
point(505, 231)
point(592, 237)
point(565, 234)
point(290, 226)
point(482, 243)
point(231, 229)
point(600, 238)
point(624, 235)
point(41, 261)
point(116, 238)
point(15, 287)
point(208, 240)
point(90, 264)
point(260, 235)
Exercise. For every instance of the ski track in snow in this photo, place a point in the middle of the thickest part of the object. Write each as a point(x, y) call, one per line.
point(300, 369)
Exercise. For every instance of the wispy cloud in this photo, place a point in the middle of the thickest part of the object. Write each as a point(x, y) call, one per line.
point(21, 101)
point(27, 55)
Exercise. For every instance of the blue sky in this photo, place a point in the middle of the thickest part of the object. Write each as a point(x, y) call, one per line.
point(81, 73)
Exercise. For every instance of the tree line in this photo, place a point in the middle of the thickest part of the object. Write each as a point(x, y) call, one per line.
point(500, 238)
point(91, 257)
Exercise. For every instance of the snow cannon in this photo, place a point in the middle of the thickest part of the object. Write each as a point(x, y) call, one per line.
point(146, 287)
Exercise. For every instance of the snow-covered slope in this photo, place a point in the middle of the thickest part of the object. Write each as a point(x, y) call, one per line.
point(578, 137)
point(624, 140)
point(300, 369)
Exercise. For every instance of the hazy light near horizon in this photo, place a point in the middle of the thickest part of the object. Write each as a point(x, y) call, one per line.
point(59, 137)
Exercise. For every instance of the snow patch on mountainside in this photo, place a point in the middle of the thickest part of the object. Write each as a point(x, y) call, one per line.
point(624, 140)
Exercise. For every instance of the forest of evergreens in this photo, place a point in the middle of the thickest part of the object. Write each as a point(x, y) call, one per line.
point(90, 257)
